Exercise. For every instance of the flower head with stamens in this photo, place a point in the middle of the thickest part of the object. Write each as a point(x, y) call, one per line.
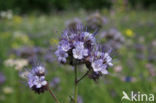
point(75, 44)
point(62, 55)
point(78, 46)
point(100, 61)
point(36, 79)
point(79, 51)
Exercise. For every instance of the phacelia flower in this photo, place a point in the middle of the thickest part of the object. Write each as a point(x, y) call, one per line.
point(75, 44)
point(95, 21)
point(99, 62)
point(62, 55)
point(72, 24)
point(64, 45)
point(36, 79)
point(99, 66)
point(78, 46)
point(79, 52)
point(112, 38)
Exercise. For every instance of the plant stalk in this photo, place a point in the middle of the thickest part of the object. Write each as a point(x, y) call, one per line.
point(83, 76)
point(53, 95)
point(76, 84)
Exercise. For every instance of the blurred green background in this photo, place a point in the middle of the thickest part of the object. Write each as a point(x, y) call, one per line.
point(31, 28)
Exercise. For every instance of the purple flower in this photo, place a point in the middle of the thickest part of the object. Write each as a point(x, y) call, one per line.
point(72, 24)
point(75, 44)
point(62, 55)
point(100, 61)
point(38, 70)
point(108, 59)
point(39, 81)
point(95, 21)
point(98, 66)
point(79, 52)
point(2, 78)
point(89, 37)
point(78, 46)
point(113, 38)
point(65, 45)
point(36, 79)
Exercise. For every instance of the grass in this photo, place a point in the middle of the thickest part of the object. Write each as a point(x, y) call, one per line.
point(40, 30)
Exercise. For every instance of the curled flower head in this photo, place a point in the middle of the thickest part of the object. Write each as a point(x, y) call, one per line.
point(75, 44)
point(72, 24)
point(113, 38)
point(95, 21)
point(36, 79)
point(100, 61)
point(78, 46)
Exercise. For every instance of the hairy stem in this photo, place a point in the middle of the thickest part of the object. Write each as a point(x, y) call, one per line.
point(76, 84)
point(53, 95)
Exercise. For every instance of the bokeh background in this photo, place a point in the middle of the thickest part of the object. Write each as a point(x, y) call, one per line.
point(31, 29)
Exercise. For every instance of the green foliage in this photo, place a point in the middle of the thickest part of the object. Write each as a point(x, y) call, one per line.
point(143, 3)
point(49, 5)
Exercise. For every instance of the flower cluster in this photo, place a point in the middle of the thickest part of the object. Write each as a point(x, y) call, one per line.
point(113, 38)
point(95, 21)
point(80, 47)
point(73, 23)
point(36, 79)
point(100, 62)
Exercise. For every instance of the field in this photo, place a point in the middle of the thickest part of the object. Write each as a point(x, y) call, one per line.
point(134, 62)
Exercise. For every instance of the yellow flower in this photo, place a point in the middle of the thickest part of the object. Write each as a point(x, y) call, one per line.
point(17, 19)
point(53, 41)
point(7, 90)
point(129, 32)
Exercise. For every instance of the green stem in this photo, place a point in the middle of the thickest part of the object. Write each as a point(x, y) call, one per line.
point(83, 76)
point(53, 95)
point(76, 84)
